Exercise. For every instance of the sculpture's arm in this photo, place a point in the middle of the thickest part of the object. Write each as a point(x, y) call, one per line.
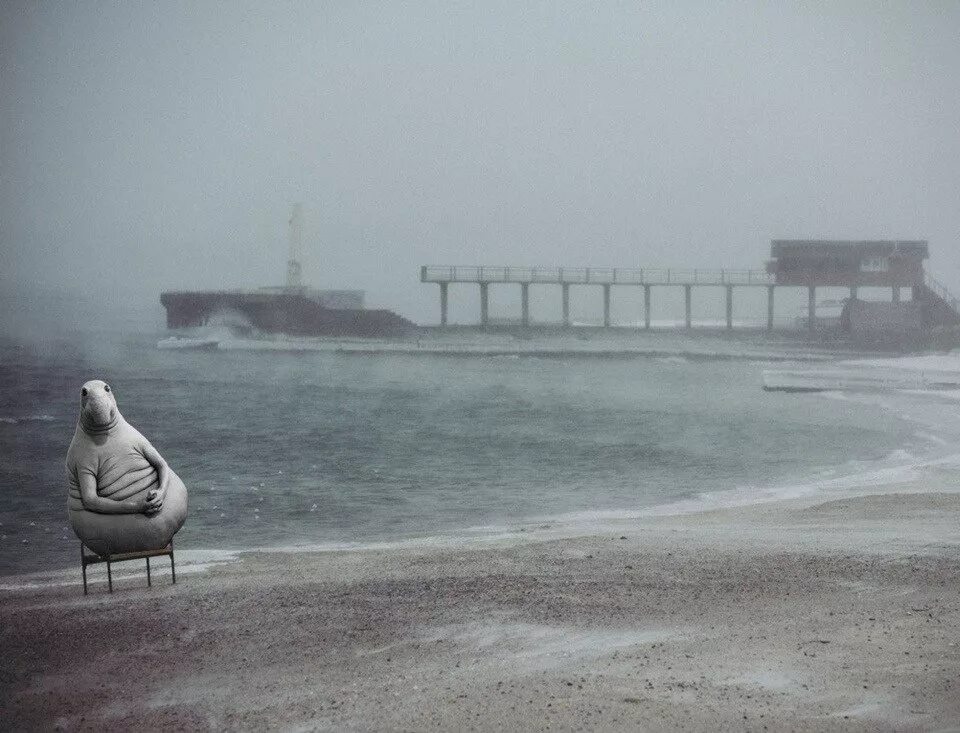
point(155, 498)
point(101, 505)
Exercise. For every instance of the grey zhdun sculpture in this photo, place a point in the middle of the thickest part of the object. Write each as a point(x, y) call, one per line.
point(123, 495)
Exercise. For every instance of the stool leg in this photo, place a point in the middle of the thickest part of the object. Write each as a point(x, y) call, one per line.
point(173, 568)
point(109, 577)
point(149, 584)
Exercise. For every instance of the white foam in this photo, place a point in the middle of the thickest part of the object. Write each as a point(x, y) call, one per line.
point(508, 348)
point(179, 342)
point(930, 372)
point(188, 562)
point(851, 377)
point(900, 455)
point(900, 468)
point(931, 438)
point(447, 541)
point(836, 395)
point(948, 363)
point(238, 344)
point(26, 418)
point(943, 394)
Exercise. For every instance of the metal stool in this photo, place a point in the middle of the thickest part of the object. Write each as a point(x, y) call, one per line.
point(86, 559)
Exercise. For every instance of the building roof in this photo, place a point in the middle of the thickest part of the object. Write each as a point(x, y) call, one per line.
point(849, 249)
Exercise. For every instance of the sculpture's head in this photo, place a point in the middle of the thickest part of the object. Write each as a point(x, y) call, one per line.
point(98, 407)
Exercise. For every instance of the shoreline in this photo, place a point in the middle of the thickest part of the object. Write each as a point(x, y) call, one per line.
point(882, 475)
point(822, 612)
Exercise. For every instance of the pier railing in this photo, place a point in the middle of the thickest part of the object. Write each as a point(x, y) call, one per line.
point(592, 275)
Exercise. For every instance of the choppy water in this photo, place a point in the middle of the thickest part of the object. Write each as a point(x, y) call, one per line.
point(324, 446)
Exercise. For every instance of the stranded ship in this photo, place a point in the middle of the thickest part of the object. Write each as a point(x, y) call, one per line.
point(292, 309)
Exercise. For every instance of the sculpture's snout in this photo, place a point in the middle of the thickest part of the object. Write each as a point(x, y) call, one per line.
point(99, 412)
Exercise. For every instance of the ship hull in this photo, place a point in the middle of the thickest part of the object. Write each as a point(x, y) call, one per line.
point(293, 314)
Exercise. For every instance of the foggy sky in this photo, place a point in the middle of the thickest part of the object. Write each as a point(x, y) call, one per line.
point(159, 145)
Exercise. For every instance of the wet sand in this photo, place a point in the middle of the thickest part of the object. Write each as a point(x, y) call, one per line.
point(802, 614)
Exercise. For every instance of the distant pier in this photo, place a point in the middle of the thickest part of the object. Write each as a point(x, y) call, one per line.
point(810, 264)
point(602, 277)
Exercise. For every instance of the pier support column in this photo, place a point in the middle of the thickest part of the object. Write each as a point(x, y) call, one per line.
point(770, 301)
point(812, 308)
point(525, 304)
point(896, 293)
point(854, 292)
point(729, 307)
point(916, 292)
point(443, 303)
point(606, 306)
point(484, 303)
point(646, 307)
point(565, 289)
point(688, 302)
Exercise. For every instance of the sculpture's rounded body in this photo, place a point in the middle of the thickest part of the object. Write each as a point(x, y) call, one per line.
point(108, 534)
point(123, 496)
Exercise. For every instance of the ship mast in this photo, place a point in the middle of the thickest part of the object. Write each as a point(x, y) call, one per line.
point(294, 267)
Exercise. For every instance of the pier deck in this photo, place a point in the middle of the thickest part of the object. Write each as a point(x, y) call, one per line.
point(604, 277)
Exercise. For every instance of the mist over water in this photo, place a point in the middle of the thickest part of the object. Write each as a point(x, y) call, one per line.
point(318, 447)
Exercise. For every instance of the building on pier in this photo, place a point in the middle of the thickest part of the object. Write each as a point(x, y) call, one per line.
point(820, 263)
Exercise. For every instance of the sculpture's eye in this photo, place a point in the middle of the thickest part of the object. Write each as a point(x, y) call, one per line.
point(106, 388)
point(83, 392)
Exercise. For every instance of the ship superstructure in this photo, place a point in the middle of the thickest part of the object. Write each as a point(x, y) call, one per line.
point(292, 309)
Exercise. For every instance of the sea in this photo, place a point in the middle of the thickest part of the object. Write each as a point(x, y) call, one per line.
point(335, 443)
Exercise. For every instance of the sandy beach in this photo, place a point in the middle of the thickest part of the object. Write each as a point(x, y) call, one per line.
point(804, 614)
